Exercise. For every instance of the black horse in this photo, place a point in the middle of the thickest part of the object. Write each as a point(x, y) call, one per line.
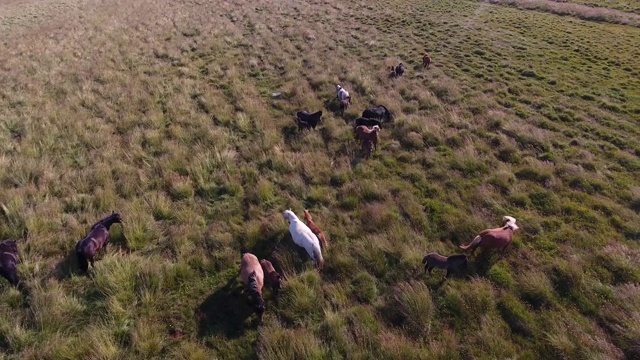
point(96, 239)
point(368, 122)
point(309, 119)
point(9, 261)
point(399, 70)
point(378, 112)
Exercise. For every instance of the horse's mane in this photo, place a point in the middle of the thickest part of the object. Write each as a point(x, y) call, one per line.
point(317, 113)
point(8, 245)
point(252, 284)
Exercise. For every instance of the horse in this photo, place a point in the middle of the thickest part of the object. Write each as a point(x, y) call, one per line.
point(342, 93)
point(302, 124)
point(305, 238)
point(426, 60)
point(363, 134)
point(344, 104)
point(498, 238)
point(362, 121)
point(311, 119)
point(366, 148)
point(435, 260)
point(316, 230)
point(378, 112)
point(9, 261)
point(253, 278)
point(97, 238)
point(399, 70)
point(271, 276)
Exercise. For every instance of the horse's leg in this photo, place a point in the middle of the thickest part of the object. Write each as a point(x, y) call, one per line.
point(446, 276)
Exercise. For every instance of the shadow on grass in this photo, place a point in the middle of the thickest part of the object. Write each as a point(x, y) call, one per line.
point(225, 312)
point(67, 266)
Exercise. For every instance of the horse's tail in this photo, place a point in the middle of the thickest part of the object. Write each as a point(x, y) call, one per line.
point(323, 241)
point(319, 260)
point(82, 259)
point(474, 244)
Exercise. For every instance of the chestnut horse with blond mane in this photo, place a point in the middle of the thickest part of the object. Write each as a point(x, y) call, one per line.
point(316, 230)
point(498, 238)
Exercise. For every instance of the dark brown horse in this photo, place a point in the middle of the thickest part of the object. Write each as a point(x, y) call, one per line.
point(378, 112)
point(308, 120)
point(9, 261)
point(97, 238)
point(368, 122)
point(498, 238)
point(399, 70)
point(435, 260)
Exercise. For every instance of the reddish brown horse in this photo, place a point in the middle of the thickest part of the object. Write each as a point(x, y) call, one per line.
point(315, 229)
point(498, 238)
point(253, 278)
point(271, 276)
point(426, 60)
point(95, 240)
point(9, 261)
point(364, 134)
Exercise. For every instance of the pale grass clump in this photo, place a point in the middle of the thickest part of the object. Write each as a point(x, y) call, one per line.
point(490, 339)
point(147, 338)
point(413, 308)
point(54, 309)
point(281, 343)
point(569, 335)
point(580, 11)
point(301, 300)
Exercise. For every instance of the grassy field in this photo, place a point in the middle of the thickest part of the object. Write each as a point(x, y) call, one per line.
point(162, 110)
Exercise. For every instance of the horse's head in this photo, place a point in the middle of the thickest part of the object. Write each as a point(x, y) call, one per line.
point(289, 215)
point(116, 217)
point(9, 245)
point(510, 221)
point(375, 128)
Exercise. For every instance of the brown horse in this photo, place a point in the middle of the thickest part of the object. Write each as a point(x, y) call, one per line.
point(366, 148)
point(426, 60)
point(435, 260)
point(363, 134)
point(271, 276)
point(315, 229)
point(498, 238)
point(9, 261)
point(96, 239)
point(344, 104)
point(253, 278)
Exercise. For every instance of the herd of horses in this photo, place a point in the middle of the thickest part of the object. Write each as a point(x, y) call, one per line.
point(255, 272)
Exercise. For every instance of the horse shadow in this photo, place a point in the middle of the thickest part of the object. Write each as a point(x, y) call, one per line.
point(225, 312)
point(333, 105)
point(482, 263)
point(68, 266)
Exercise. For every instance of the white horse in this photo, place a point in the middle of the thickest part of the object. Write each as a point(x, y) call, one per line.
point(304, 237)
point(342, 93)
